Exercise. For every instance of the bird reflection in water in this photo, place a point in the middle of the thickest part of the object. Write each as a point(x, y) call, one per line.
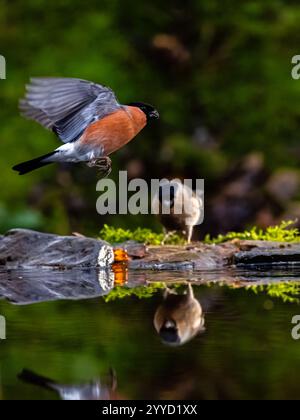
point(94, 390)
point(179, 318)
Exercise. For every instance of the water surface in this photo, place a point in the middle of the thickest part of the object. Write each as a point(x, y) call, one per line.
point(105, 334)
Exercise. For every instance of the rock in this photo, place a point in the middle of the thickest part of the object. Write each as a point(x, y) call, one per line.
point(21, 248)
point(24, 287)
point(27, 248)
point(269, 255)
point(202, 257)
point(181, 258)
point(39, 267)
point(134, 249)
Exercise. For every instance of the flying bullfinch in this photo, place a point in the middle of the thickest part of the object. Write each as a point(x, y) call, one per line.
point(94, 390)
point(87, 118)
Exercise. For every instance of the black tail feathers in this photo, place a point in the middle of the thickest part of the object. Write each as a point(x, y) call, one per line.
point(34, 379)
point(31, 165)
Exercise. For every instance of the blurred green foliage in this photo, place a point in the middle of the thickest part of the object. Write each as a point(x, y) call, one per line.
point(218, 72)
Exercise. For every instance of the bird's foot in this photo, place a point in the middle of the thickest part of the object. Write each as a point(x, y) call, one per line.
point(168, 235)
point(189, 234)
point(104, 165)
point(168, 291)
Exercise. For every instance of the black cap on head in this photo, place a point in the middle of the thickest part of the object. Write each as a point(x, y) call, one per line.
point(150, 112)
point(169, 335)
point(167, 193)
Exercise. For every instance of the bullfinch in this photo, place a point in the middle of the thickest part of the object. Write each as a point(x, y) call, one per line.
point(86, 117)
point(179, 207)
point(94, 390)
point(179, 318)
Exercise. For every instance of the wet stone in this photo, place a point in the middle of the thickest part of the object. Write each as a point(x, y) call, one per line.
point(21, 248)
point(134, 249)
point(27, 248)
point(181, 258)
point(269, 256)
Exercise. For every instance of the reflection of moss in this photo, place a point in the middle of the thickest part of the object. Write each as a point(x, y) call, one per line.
point(289, 292)
point(146, 236)
point(282, 233)
point(141, 292)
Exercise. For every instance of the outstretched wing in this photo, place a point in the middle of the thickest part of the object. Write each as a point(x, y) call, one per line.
point(67, 106)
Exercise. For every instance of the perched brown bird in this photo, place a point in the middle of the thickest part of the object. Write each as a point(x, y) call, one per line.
point(87, 117)
point(179, 208)
point(179, 318)
point(94, 390)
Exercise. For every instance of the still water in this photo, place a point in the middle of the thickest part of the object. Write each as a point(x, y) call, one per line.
point(107, 336)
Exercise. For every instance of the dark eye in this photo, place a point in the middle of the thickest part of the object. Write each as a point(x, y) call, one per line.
point(160, 194)
point(172, 193)
point(165, 194)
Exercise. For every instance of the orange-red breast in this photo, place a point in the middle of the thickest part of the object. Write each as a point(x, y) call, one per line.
point(86, 116)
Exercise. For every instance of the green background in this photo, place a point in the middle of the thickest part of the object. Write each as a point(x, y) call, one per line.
point(218, 72)
point(246, 351)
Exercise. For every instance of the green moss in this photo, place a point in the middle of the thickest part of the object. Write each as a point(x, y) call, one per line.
point(142, 292)
point(281, 233)
point(289, 292)
point(146, 236)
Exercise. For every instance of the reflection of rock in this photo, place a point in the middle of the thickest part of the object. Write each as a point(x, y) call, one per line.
point(26, 248)
point(179, 318)
point(92, 391)
point(33, 286)
point(36, 263)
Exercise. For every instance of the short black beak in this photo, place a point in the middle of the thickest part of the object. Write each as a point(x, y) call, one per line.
point(154, 115)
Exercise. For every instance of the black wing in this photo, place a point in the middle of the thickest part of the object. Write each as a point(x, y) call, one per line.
point(67, 106)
